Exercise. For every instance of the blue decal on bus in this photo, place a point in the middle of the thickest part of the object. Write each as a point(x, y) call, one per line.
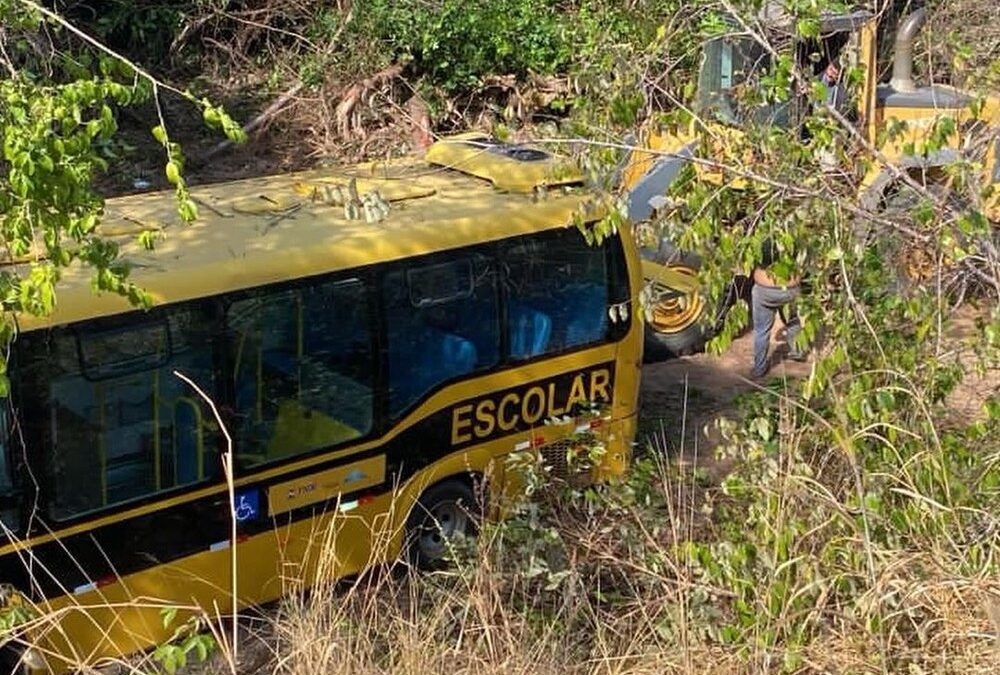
point(247, 505)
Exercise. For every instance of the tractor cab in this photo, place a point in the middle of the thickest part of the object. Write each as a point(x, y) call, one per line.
point(732, 80)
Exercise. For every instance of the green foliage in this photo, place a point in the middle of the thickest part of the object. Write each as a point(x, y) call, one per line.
point(824, 499)
point(862, 465)
point(15, 615)
point(454, 43)
point(49, 211)
point(188, 638)
point(144, 27)
point(536, 551)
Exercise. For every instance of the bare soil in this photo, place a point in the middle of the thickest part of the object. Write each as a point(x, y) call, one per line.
point(682, 398)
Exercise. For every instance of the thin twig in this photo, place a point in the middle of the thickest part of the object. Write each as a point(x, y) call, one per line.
point(227, 467)
point(6, 57)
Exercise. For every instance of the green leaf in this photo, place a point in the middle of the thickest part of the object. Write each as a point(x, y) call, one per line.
point(167, 616)
point(147, 239)
point(762, 427)
point(173, 172)
point(202, 646)
point(210, 115)
point(808, 27)
point(188, 210)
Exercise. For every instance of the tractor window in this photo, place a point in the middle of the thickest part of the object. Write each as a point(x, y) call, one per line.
point(729, 83)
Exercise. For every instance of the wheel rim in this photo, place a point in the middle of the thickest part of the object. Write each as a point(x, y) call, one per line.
point(677, 313)
point(914, 263)
point(446, 522)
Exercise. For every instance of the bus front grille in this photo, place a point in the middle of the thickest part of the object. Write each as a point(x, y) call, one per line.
point(555, 460)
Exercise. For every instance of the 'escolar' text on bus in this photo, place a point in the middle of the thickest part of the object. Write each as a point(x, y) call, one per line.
point(528, 405)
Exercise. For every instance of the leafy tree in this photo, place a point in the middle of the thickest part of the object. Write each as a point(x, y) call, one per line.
point(846, 474)
point(57, 112)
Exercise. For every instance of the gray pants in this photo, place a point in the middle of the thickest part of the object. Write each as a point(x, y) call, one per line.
point(766, 301)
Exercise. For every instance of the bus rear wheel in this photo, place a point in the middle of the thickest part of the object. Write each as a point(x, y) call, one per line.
point(444, 515)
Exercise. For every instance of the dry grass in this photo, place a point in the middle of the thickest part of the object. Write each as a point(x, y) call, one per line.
point(607, 584)
point(628, 601)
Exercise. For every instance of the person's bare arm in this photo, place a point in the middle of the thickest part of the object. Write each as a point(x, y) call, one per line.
point(764, 278)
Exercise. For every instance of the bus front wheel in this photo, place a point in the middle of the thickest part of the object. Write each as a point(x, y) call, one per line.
point(444, 515)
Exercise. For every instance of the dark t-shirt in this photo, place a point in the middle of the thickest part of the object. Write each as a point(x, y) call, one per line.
point(768, 253)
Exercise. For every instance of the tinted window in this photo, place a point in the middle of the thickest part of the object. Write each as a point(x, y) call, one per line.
point(119, 425)
point(442, 321)
point(302, 370)
point(557, 293)
point(730, 71)
point(120, 351)
point(9, 513)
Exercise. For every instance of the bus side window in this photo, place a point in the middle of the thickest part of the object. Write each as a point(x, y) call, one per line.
point(557, 293)
point(338, 374)
point(303, 369)
point(476, 315)
point(111, 395)
point(443, 321)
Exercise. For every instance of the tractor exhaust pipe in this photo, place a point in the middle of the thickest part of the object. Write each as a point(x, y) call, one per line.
point(902, 62)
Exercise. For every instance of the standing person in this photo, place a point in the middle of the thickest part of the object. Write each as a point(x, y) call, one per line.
point(768, 297)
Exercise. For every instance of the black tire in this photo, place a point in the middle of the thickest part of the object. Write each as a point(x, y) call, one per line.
point(445, 511)
point(909, 265)
point(662, 346)
point(912, 265)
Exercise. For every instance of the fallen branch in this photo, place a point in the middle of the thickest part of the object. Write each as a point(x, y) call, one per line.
point(353, 94)
point(420, 122)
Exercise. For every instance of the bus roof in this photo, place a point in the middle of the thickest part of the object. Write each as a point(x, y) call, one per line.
point(264, 230)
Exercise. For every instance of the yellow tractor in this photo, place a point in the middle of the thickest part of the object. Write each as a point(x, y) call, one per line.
point(678, 319)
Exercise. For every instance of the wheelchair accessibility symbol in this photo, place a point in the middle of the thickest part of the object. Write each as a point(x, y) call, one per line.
point(247, 505)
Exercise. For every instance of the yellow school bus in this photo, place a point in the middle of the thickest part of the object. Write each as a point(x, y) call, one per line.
point(375, 339)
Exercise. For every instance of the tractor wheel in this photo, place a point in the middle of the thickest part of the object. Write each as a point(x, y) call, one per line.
point(674, 319)
point(911, 263)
